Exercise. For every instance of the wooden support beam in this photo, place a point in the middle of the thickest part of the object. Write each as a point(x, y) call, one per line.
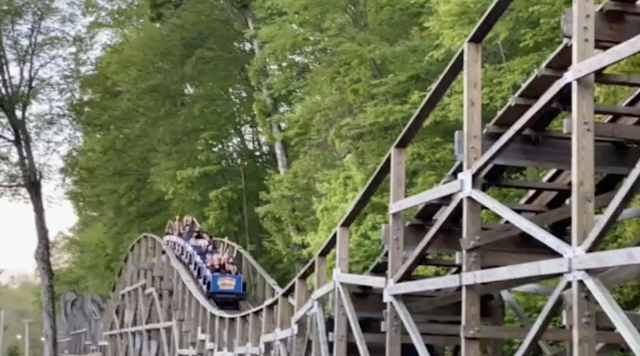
point(514, 184)
point(623, 325)
point(320, 280)
point(301, 296)
point(604, 322)
point(510, 332)
point(396, 247)
point(435, 193)
point(526, 208)
point(489, 258)
point(530, 341)
point(449, 242)
point(339, 315)
point(608, 30)
point(585, 26)
point(580, 70)
point(551, 267)
point(627, 80)
point(613, 211)
point(412, 261)
point(471, 209)
point(629, 133)
point(523, 223)
point(618, 110)
point(555, 153)
point(352, 317)
point(544, 219)
point(629, 8)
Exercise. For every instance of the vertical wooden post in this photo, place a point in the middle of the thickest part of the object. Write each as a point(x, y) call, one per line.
point(210, 332)
point(340, 317)
point(229, 330)
point(217, 336)
point(301, 294)
point(472, 210)
point(259, 289)
point(241, 334)
point(267, 318)
point(254, 332)
point(582, 171)
point(142, 257)
point(283, 320)
point(396, 247)
point(179, 313)
point(319, 280)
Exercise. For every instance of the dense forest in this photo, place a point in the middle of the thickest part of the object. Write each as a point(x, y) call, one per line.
point(265, 118)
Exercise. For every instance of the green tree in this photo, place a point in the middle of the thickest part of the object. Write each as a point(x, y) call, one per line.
point(185, 143)
point(33, 44)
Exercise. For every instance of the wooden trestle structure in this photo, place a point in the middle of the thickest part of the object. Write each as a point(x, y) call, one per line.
point(552, 233)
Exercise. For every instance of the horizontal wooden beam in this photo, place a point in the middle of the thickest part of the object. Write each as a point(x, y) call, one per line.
point(542, 220)
point(450, 297)
point(510, 332)
point(555, 153)
point(603, 321)
point(630, 133)
point(544, 186)
point(437, 192)
point(538, 136)
point(625, 8)
point(511, 251)
point(550, 268)
point(598, 109)
point(609, 30)
point(374, 339)
point(627, 80)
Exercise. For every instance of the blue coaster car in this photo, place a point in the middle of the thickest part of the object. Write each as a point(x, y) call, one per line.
point(227, 290)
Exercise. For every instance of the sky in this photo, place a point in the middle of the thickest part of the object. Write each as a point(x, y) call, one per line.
point(18, 230)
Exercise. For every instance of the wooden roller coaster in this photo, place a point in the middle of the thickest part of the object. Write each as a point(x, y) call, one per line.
point(551, 234)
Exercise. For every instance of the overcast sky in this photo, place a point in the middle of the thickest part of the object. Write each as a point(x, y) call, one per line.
point(18, 235)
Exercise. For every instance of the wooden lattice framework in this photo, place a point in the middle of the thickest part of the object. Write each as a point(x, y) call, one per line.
point(551, 233)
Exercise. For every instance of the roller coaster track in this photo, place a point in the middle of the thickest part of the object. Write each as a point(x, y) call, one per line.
point(157, 308)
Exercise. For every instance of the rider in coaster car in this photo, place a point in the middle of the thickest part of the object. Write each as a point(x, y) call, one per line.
point(199, 243)
point(230, 266)
point(214, 263)
point(188, 227)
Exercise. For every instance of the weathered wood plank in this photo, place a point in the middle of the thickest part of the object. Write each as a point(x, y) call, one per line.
point(629, 133)
point(588, 27)
point(546, 186)
point(519, 105)
point(510, 332)
point(555, 153)
point(396, 247)
point(448, 242)
point(628, 80)
point(598, 109)
point(624, 7)
point(608, 29)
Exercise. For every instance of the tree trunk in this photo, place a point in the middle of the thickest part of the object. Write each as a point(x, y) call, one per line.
point(45, 271)
point(276, 131)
